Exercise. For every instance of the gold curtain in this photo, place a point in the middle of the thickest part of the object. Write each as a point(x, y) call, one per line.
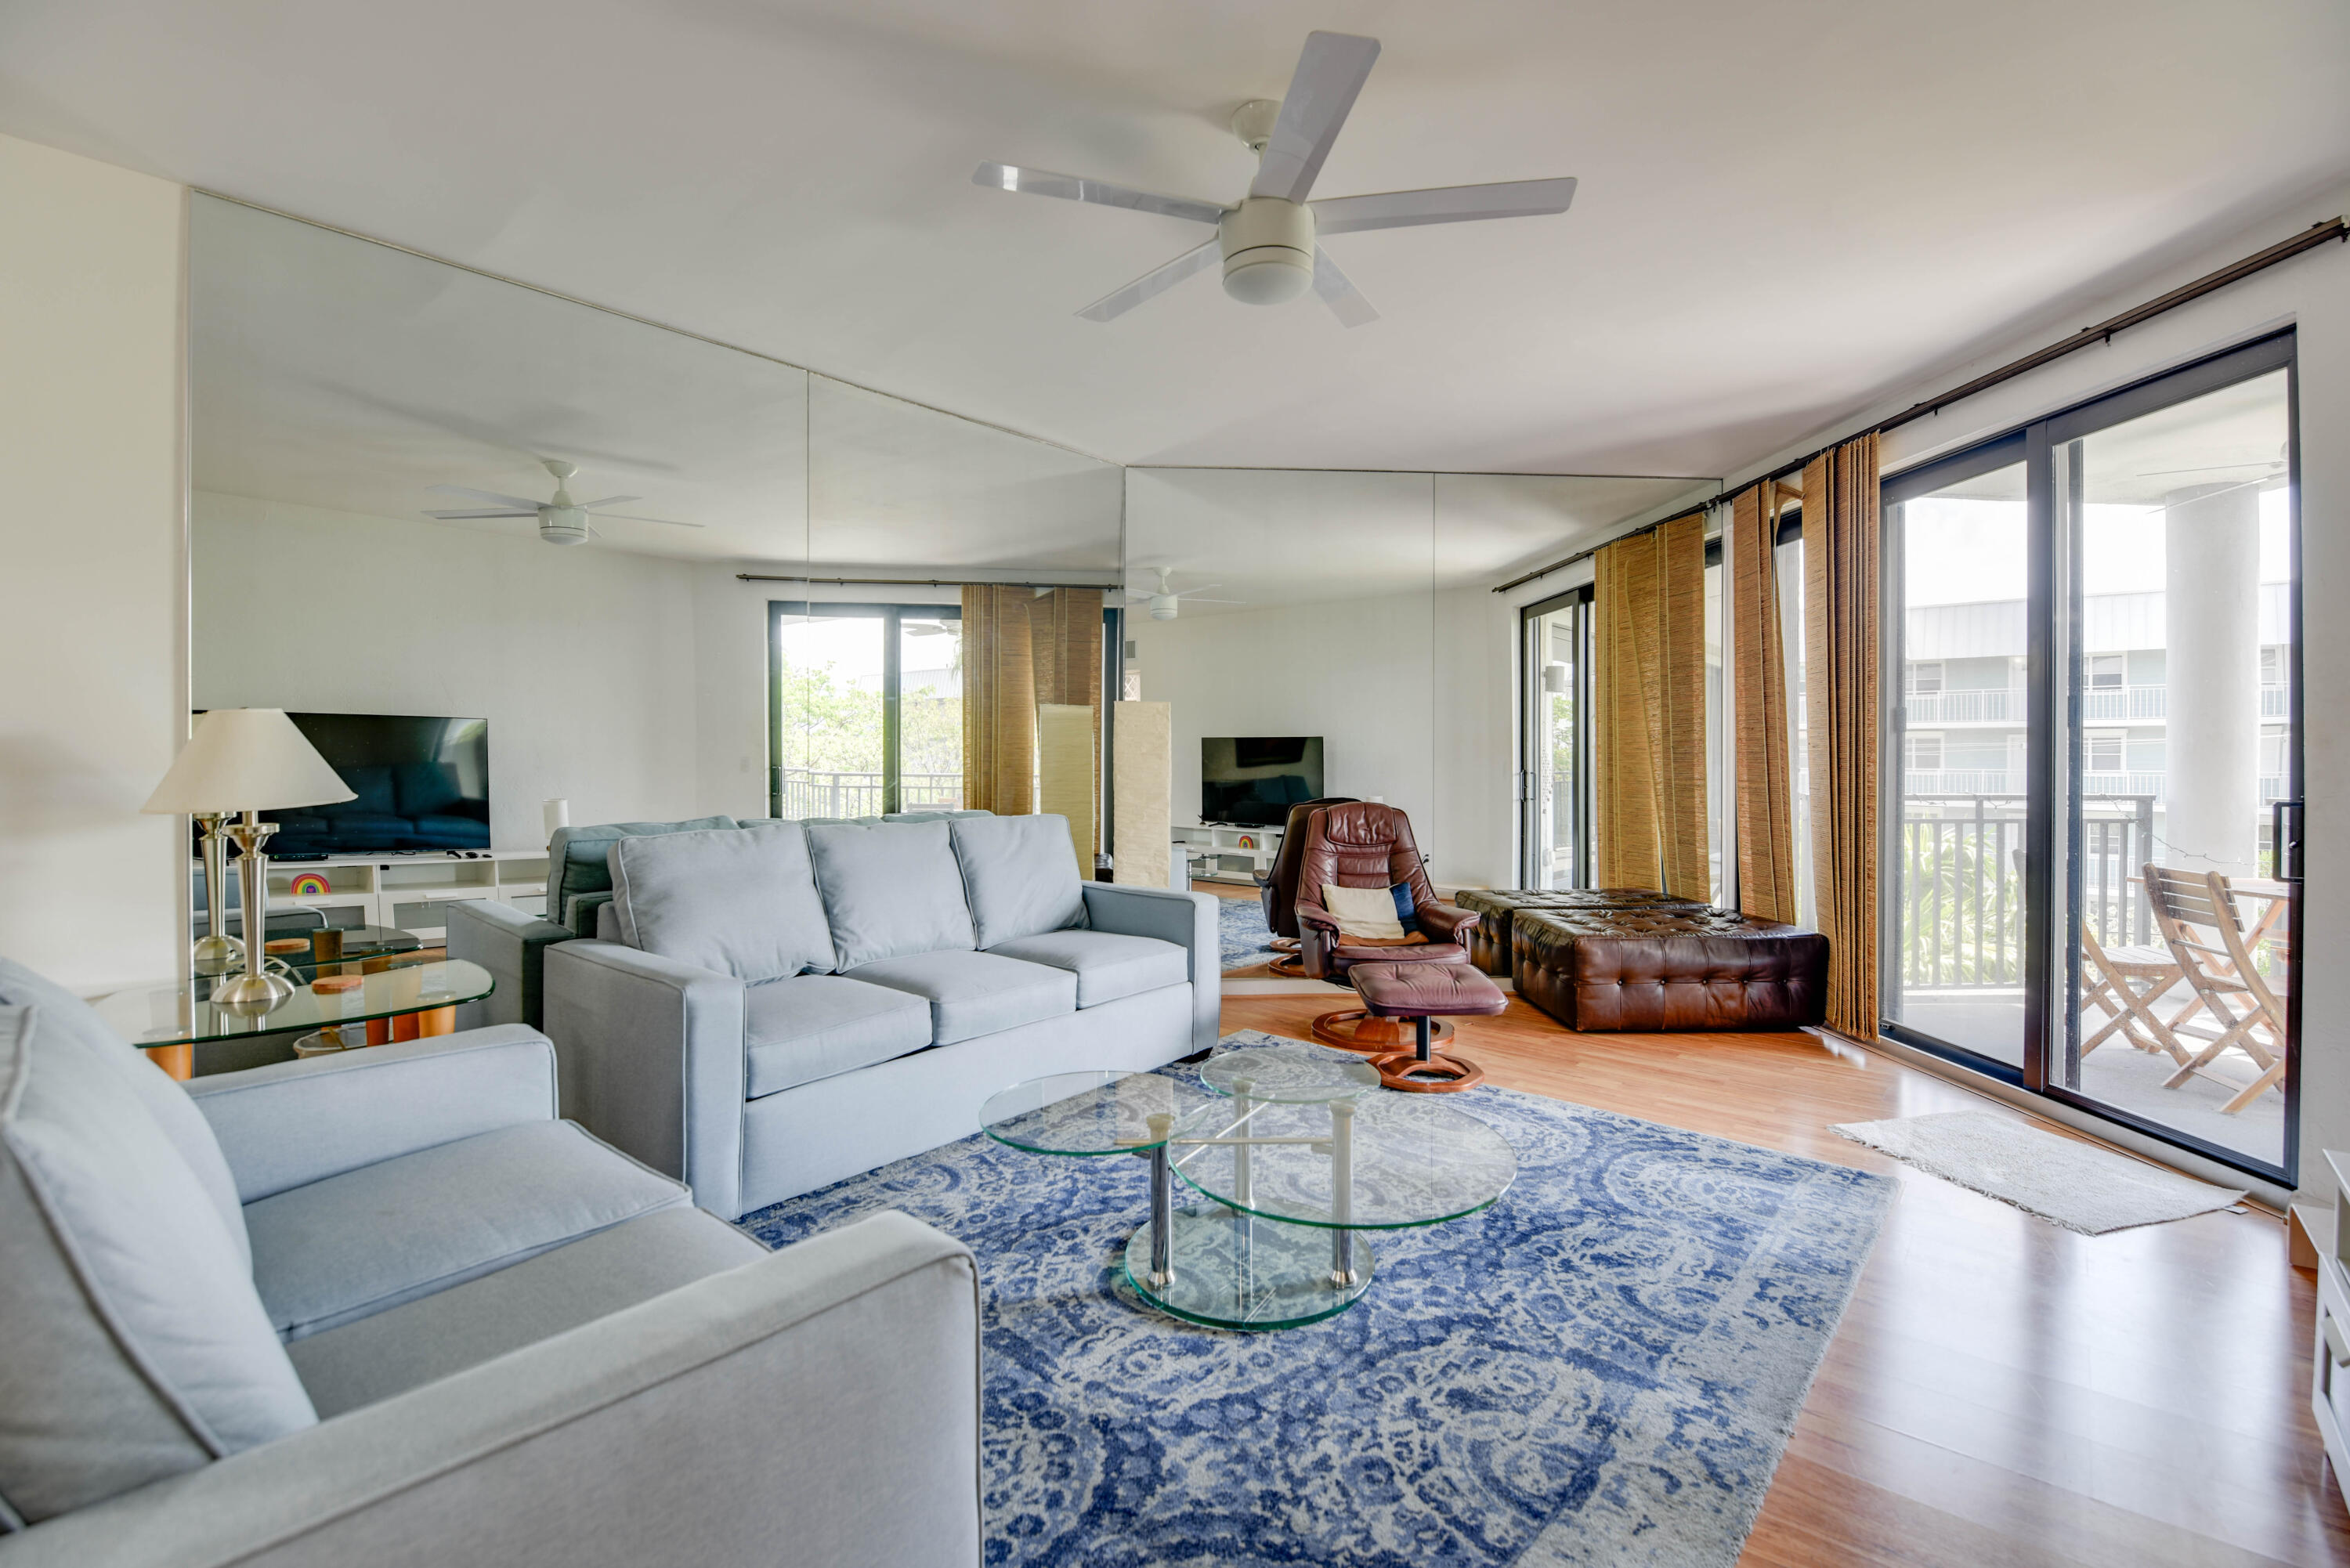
point(1840, 671)
point(1766, 846)
point(999, 700)
point(1649, 692)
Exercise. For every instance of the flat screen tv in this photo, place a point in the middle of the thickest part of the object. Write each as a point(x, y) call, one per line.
point(418, 785)
point(1252, 781)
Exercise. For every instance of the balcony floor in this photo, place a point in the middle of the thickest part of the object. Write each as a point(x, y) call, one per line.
point(1991, 1023)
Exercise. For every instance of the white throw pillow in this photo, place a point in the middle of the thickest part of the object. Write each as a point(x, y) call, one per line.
point(1362, 911)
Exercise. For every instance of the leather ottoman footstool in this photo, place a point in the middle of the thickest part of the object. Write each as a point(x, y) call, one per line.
point(1648, 970)
point(1421, 992)
point(1489, 939)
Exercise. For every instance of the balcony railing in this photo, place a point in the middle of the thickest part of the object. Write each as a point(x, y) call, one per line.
point(812, 791)
point(2099, 705)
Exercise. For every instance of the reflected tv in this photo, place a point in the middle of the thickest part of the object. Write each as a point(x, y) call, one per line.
point(419, 784)
point(1252, 781)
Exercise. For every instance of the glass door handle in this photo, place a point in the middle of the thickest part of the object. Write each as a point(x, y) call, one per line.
point(2284, 853)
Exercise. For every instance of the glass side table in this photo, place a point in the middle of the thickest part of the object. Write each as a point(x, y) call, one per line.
point(169, 1022)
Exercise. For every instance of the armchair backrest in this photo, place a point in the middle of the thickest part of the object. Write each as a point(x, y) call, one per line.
point(1362, 844)
point(1281, 902)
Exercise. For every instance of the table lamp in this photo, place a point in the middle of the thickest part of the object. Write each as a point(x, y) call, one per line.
point(239, 762)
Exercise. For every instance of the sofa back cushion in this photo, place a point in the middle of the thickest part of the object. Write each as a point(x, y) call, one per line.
point(889, 891)
point(1019, 876)
point(137, 1346)
point(577, 862)
point(70, 1017)
point(740, 900)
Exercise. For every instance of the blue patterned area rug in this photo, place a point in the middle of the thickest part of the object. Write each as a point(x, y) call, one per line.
point(1245, 937)
point(1602, 1368)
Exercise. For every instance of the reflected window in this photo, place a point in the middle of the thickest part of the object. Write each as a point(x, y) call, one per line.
point(866, 708)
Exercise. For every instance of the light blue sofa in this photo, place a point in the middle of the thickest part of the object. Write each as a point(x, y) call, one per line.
point(385, 1308)
point(777, 1006)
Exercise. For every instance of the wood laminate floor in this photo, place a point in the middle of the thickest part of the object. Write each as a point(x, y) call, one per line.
point(2001, 1392)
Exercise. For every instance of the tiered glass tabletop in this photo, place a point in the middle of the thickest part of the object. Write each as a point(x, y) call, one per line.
point(185, 1014)
point(1296, 1150)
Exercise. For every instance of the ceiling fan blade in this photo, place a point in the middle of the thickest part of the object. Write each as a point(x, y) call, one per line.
point(1203, 588)
point(1444, 205)
point(1188, 599)
point(1339, 293)
point(1330, 71)
point(1101, 193)
point(1156, 281)
point(454, 516)
point(608, 501)
point(530, 506)
point(625, 517)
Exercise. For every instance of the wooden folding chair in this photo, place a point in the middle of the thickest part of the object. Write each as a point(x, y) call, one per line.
point(2228, 984)
point(2125, 982)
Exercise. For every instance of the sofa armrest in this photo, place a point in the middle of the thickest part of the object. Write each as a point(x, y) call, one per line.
point(651, 1057)
point(1187, 919)
point(512, 946)
point(293, 1123)
point(820, 1405)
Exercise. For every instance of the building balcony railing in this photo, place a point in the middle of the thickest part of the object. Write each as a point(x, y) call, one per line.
point(816, 792)
point(2099, 705)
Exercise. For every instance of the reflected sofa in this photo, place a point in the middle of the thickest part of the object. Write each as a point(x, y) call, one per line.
point(384, 1307)
point(773, 1007)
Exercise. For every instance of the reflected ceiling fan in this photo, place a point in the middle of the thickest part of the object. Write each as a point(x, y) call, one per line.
point(561, 520)
point(1268, 242)
point(1166, 603)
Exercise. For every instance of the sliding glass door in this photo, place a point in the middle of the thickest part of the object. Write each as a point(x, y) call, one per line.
point(865, 706)
point(1555, 829)
point(2091, 839)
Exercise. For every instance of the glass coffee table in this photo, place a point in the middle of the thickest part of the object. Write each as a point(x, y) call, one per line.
point(169, 1022)
point(1297, 1150)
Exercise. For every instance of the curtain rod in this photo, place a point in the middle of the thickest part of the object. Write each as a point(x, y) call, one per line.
point(913, 582)
point(2103, 332)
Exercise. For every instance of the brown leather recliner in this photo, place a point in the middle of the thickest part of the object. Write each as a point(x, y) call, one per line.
point(1362, 844)
point(1278, 888)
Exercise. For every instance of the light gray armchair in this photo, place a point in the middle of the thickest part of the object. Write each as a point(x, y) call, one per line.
point(384, 1307)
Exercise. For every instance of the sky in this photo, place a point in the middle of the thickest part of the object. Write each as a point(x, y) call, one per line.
point(1964, 552)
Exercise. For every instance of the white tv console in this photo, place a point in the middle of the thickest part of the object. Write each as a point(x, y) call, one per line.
point(1221, 854)
point(404, 890)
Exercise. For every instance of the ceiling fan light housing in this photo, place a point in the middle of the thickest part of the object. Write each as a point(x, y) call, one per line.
point(1164, 607)
point(563, 525)
point(1268, 245)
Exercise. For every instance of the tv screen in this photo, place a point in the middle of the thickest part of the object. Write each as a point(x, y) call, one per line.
point(418, 785)
point(1252, 781)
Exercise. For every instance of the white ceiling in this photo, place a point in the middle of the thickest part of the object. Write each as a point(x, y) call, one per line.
point(1785, 209)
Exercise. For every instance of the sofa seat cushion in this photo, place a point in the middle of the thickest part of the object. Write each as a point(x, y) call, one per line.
point(355, 1244)
point(797, 1030)
point(135, 1346)
point(972, 993)
point(438, 1335)
point(1107, 966)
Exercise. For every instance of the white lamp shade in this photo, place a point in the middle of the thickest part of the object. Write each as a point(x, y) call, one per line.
point(246, 759)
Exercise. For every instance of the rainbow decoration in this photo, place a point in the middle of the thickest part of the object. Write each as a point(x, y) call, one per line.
point(1247, 842)
point(309, 885)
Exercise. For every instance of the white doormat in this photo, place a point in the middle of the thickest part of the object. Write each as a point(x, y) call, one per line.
point(2073, 1184)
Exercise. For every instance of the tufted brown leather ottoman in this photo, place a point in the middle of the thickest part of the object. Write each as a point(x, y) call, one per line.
point(1634, 971)
point(1489, 939)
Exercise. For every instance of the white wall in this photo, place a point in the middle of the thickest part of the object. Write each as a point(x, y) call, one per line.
point(583, 660)
point(93, 677)
point(1357, 673)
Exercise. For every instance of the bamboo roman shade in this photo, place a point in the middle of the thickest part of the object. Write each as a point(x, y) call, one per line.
point(999, 700)
point(1648, 703)
point(1766, 793)
point(1840, 682)
point(1023, 651)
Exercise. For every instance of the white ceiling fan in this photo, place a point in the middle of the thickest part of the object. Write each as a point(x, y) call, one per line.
point(1268, 242)
point(1166, 603)
point(561, 520)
